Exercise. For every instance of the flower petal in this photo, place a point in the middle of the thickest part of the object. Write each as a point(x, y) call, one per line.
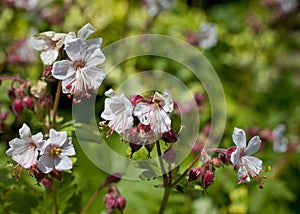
point(239, 137)
point(62, 69)
point(143, 112)
point(86, 31)
point(254, 161)
point(25, 133)
point(45, 163)
point(94, 57)
point(68, 148)
point(57, 138)
point(63, 162)
point(95, 76)
point(253, 145)
point(48, 57)
point(75, 48)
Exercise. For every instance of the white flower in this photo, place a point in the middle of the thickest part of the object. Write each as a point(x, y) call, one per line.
point(207, 35)
point(24, 150)
point(287, 6)
point(280, 142)
point(155, 112)
point(118, 110)
point(49, 43)
point(55, 152)
point(82, 34)
point(241, 157)
point(154, 7)
point(81, 73)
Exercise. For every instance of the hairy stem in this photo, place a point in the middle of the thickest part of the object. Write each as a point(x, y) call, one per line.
point(94, 196)
point(55, 105)
point(163, 205)
point(162, 167)
point(54, 198)
point(14, 79)
point(39, 112)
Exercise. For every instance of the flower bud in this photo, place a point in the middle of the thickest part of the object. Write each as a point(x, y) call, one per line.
point(17, 106)
point(114, 178)
point(3, 116)
point(136, 99)
point(217, 162)
point(28, 102)
point(11, 93)
point(47, 182)
point(110, 201)
point(208, 178)
point(195, 174)
point(56, 174)
point(169, 136)
point(121, 203)
point(47, 71)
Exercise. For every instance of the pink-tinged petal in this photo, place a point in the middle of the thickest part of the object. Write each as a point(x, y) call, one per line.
point(95, 76)
point(94, 43)
point(68, 148)
point(94, 57)
point(62, 69)
point(45, 163)
point(168, 102)
point(24, 131)
point(48, 57)
point(86, 31)
point(66, 83)
point(235, 157)
point(63, 163)
point(239, 137)
point(27, 158)
point(75, 49)
point(57, 138)
point(37, 43)
point(160, 121)
point(253, 145)
point(243, 175)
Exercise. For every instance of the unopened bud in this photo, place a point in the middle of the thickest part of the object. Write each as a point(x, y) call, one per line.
point(56, 174)
point(121, 203)
point(110, 201)
point(136, 99)
point(169, 136)
point(28, 102)
point(11, 93)
point(217, 162)
point(195, 174)
point(47, 71)
point(47, 182)
point(208, 178)
point(114, 178)
point(17, 106)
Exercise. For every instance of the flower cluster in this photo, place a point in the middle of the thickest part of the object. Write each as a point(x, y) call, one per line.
point(153, 114)
point(41, 156)
point(80, 72)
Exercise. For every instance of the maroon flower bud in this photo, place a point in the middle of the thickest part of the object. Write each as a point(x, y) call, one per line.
point(3, 116)
point(121, 203)
point(114, 178)
point(149, 147)
point(225, 157)
point(17, 106)
point(39, 175)
point(195, 174)
point(199, 98)
point(208, 178)
point(169, 136)
point(170, 155)
point(110, 201)
point(136, 99)
point(11, 93)
point(47, 182)
point(217, 162)
point(47, 71)
point(28, 102)
point(56, 174)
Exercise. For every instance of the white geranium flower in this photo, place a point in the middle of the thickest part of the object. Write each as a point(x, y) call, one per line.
point(154, 7)
point(241, 157)
point(118, 111)
point(49, 43)
point(81, 73)
point(83, 34)
point(55, 152)
point(280, 142)
point(156, 112)
point(24, 150)
point(207, 35)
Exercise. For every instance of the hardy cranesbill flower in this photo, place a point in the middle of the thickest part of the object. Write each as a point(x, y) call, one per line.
point(155, 112)
point(24, 150)
point(81, 73)
point(154, 7)
point(55, 152)
point(82, 34)
point(280, 143)
point(118, 111)
point(241, 157)
point(49, 43)
point(207, 35)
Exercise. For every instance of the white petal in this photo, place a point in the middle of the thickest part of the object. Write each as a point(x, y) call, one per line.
point(94, 57)
point(63, 163)
point(95, 76)
point(37, 44)
point(48, 57)
point(168, 102)
point(45, 163)
point(235, 157)
point(75, 49)
point(254, 161)
point(70, 36)
point(239, 137)
point(62, 69)
point(57, 138)
point(68, 148)
point(86, 31)
point(143, 111)
point(243, 174)
point(110, 93)
point(253, 145)
point(25, 133)
point(94, 43)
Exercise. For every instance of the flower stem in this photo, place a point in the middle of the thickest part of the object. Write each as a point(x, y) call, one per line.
point(55, 105)
point(162, 167)
point(94, 196)
point(46, 128)
point(54, 198)
point(14, 79)
point(163, 205)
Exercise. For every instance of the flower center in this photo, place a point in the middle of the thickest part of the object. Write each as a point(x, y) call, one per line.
point(79, 64)
point(55, 151)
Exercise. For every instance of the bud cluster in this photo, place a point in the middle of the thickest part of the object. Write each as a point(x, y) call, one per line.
point(114, 200)
point(205, 174)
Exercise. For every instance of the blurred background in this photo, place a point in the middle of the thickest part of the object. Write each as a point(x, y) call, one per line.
point(252, 45)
